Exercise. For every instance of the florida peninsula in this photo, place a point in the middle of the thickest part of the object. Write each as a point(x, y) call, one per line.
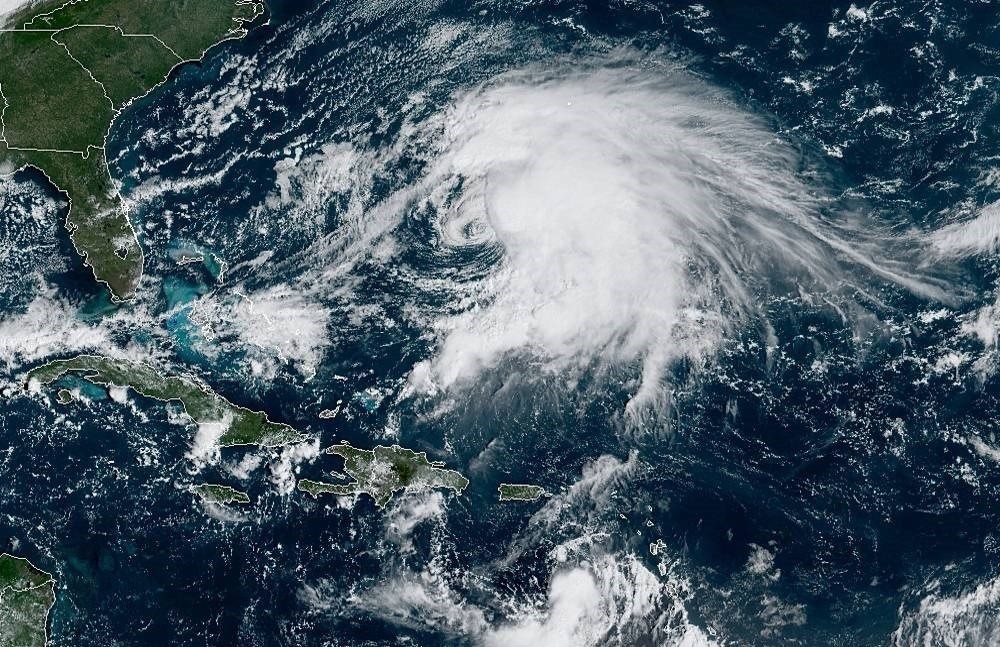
point(67, 70)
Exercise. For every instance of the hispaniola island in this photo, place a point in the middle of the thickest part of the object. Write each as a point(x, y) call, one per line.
point(499, 323)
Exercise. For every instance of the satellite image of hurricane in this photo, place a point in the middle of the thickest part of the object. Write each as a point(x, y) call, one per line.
point(499, 323)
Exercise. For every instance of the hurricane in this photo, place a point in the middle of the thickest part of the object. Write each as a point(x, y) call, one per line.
point(630, 213)
point(500, 323)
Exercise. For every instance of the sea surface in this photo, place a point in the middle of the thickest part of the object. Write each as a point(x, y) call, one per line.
point(720, 277)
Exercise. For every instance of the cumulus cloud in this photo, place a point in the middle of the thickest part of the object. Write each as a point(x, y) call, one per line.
point(48, 327)
point(422, 600)
point(410, 511)
point(939, 620)
point(278, 323)
point(52, 326)
point(205, 444)
point(574, 605)
point(305, 184)
point(614, 600)
point(284, 469)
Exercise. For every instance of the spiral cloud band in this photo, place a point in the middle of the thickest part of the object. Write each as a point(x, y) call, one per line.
point(638, 211)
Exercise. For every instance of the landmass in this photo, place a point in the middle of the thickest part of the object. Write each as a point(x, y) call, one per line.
point(378, 472)
point(316, 488)
point(515, 492)
point(67, 70)
point(383, 471)
point(26, 596)
point(233, 425)
point(220, 494)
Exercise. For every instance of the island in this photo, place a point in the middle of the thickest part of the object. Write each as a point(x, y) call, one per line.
point(231, 424)
point(316, 488)
point(515, 492)
point(67, 70)
point(26, 597)
point(222, 494)
point(383, 471)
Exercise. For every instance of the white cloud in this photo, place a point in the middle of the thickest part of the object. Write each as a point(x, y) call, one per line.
point(637, 212)
point(593, 597)
point(409, 511)
point(981, 234)
point(984, 449)
point(423, 600)
point(284, 469)
point(48, 327)
point(205, 444)
point(245, 466)
point(761, 562)
point(306, 183)
point(611, 601)
point(8, 6)
point(276, 323)
point(969, 618)
point(573, 618)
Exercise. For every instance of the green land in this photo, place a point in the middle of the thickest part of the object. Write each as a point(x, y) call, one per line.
point(383, 471)
point(516, 492)
point(220, 494)
point(26, 596)
point(67, 69)
point(238, 426)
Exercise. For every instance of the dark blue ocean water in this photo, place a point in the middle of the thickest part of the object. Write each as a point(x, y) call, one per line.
point(855, 489)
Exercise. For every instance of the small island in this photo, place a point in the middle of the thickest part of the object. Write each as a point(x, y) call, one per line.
point(235, 425)
point(26, 596)
point(515, 492)
point(221, 494)
point(383, 471)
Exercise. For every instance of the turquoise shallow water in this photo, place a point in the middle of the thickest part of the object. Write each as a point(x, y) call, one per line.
point(823, 474)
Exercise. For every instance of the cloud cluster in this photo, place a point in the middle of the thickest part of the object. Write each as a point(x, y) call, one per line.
point(640, 215)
